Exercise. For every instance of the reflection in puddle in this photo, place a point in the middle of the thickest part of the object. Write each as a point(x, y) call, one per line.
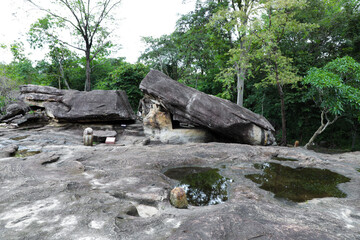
point(19, 138)
point(203, 186)
point(284, 159)
point(26, 153)
point(298, 184)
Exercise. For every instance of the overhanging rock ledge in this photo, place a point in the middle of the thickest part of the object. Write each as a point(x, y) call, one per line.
point(223, 118)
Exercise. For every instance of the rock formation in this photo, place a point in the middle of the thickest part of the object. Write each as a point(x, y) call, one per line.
point(115, 192)
point(222, 117)
point(178, 198)
point(158, 124)
point(70, 105)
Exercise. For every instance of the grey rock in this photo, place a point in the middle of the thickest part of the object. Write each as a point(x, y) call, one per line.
point(30, 88)
point(9, 120)
point(114, 192)
point(14, 109)
point(38, 99)
point(45, 158)
point(31, 118)
point(178, 198)
point(77, 106)
point(8, 151)
point(93, 106)
point(101, 135)
point(223, 117)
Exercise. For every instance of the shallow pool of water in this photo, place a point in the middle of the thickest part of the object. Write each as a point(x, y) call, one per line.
point(19, 138)
point(203, 186)
point(26, 153)
point(298, 184)
point(284, 159)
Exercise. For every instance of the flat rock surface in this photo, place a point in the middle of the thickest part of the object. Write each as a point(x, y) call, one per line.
point(70, 191)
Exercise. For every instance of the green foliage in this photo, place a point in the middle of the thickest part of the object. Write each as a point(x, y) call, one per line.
point(7, 95)
point(213, 47)
point(20, 70)
point(193, 54)
point(335, 88)
point(126, 77)
point(86, 24)
point(236, 18)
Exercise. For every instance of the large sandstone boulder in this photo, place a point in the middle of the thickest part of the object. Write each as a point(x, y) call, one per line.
point(226, 119)
point(93, 106)
point(78, 106)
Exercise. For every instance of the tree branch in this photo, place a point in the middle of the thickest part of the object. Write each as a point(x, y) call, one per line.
point(54, 15)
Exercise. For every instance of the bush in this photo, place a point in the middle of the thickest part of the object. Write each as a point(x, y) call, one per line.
point(126, 77)
point(8, 89)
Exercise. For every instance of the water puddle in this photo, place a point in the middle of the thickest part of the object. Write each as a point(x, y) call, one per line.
point(203, 186)
point(26, 153)
point(19, 138)
point(298, 184)
point(284, 159)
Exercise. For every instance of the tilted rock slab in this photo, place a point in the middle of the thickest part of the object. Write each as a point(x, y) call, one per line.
point(78, 106)
point(189, 105)
point(93, 106)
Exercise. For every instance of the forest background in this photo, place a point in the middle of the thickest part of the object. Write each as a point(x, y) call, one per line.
point(294, 62)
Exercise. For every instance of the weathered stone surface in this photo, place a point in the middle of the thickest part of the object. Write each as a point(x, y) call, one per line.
point(9, 120)
point(157, 119)
point(221, 116)
point(14, 109)
point(178, 198)
point(77, 106)
point(158, 126)
point(30, 88)
point(8, 151)
point(114, 192)
point(38, 99)
point(93, 106)
point(101, 135)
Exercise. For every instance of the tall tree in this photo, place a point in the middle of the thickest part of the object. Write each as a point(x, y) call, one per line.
point(276, 22)
point(335, 89)
point(199, 62)
point(237, 18)
point(84, 19)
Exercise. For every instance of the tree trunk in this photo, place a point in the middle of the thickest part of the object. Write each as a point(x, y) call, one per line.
point(63, 76)
point(283, 117)
point(240, 74)
point(322, 128)
point(88, 72)
point(354, 135)
point(317, 133)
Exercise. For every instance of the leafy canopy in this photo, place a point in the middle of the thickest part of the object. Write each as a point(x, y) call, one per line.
point(335, 88)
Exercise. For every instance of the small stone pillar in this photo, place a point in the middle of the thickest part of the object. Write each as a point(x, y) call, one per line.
point(178, 198)
point(88, 137)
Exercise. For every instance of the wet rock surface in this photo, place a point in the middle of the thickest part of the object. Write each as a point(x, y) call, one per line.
point(71, 191)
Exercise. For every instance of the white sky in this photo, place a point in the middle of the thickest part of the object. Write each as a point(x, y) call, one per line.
point(138, 18)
